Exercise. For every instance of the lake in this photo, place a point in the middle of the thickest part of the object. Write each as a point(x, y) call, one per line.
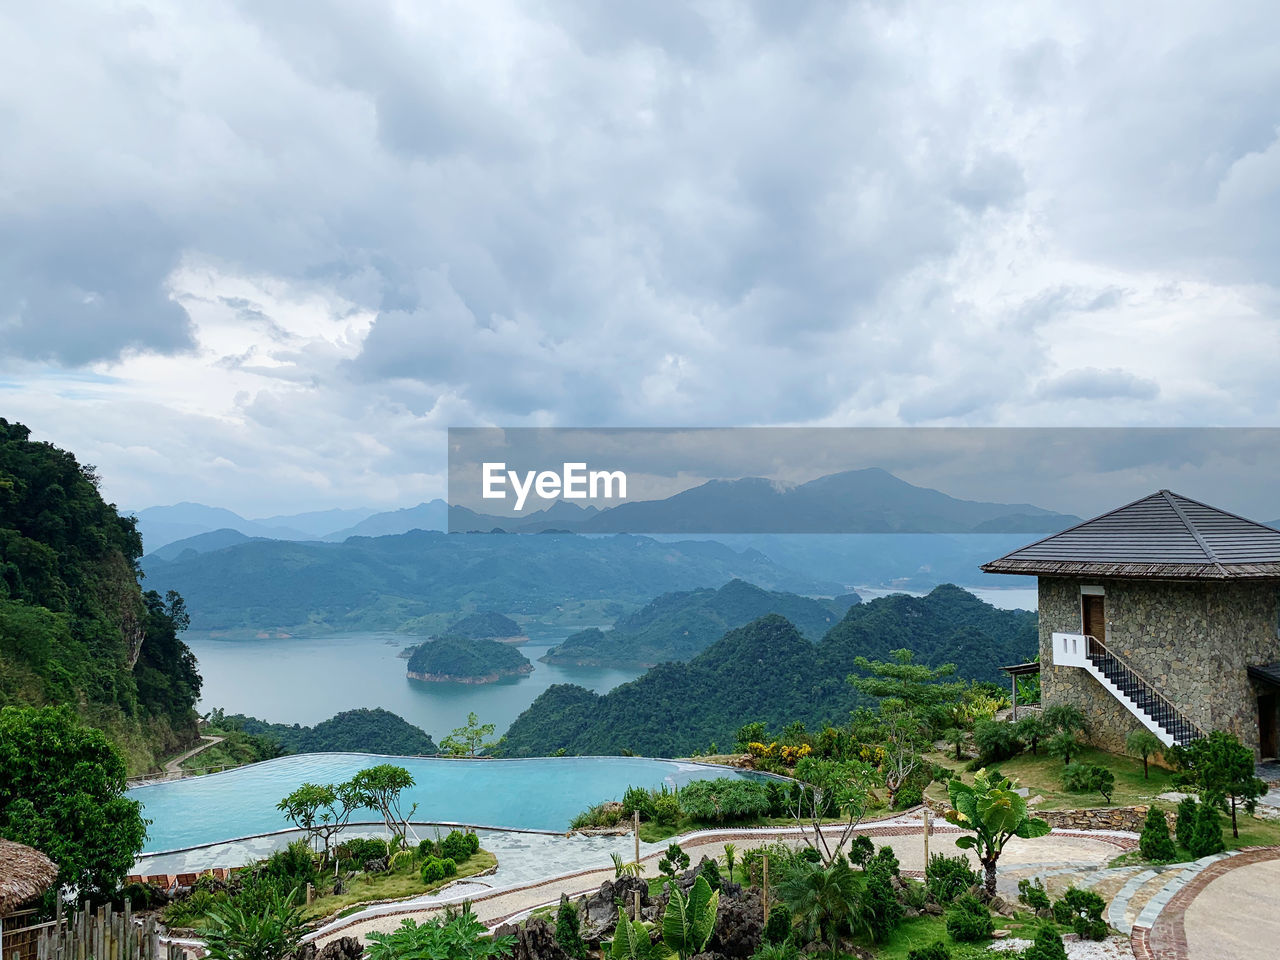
point(306, 681)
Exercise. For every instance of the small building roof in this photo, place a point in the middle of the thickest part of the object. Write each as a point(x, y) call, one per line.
point(1164, 536)
point(1022, 669)
point(25, 874)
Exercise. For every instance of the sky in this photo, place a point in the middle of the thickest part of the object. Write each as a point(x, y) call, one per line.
point(263, 256)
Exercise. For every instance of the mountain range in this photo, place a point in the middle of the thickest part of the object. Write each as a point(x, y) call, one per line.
point(385, 583)
point(869, 501)
point(767, 670)
point(678, 626)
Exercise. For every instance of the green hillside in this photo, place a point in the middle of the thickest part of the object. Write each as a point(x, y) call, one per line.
point(768, 671)
point(353, 731)
point(679, 626)
point(485, 626)
point(75, 624)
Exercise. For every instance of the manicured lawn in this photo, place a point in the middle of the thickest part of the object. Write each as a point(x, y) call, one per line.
point(922, 931)
point(1042, 775)
point(395, 885)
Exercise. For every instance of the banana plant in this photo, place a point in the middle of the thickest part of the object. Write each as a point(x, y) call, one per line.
point(631, 940)
point(690, 919)
point(995, 814)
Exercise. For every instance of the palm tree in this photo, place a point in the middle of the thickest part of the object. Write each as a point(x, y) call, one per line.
point(823, 900)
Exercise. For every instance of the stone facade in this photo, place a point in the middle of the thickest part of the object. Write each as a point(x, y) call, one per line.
point(1192, 640)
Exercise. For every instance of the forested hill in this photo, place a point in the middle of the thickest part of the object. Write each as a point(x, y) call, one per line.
point(352, 731)
point(768, 671)
point(467, 660)
point(678, 626)
point(382, 583)
point(75, 625)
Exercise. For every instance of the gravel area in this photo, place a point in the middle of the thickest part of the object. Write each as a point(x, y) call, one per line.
point(1113, 948)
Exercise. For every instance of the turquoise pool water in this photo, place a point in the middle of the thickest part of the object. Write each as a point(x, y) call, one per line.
point(541, 794)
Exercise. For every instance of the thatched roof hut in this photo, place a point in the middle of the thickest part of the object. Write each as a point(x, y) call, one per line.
point(25, 875)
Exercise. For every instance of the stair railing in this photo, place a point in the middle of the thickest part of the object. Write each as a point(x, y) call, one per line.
point(1177, 724)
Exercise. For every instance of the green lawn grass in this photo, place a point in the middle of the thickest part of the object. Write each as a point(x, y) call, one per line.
point(393, 885)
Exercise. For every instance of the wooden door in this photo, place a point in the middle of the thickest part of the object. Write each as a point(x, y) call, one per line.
point(1094, 617)
point(1267, 738)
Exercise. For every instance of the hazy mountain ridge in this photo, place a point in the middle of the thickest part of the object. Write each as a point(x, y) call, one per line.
point(380, 583)
point(678, 626)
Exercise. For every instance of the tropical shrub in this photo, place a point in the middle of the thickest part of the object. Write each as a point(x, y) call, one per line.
point(785, 950)
point(353, 854)
point(748, 734)
point(825, 900)
point(995, 740)
point(1063, 716)
point(778, 927)
point(631, 940)
point(934, 951)
point(457, 846)
point(1032, 894)
point(949, 877)
point(995, 813)
point(969, 920)
point(690, 919)
point(1143, 743)
point(1155, 842)
point(887, 859)
point(457, 937)
point(237, 931)
point(723, 799)
point(1064, 744)
point(599, 816)
point(1031, 729)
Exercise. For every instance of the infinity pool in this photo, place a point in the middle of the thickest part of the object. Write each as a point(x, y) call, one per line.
point(540, 794)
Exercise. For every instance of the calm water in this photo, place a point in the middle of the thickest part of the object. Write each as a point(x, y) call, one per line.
point(309, 680)
point(542, 794)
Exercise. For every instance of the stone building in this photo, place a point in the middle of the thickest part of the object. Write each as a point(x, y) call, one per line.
point(1163, 613)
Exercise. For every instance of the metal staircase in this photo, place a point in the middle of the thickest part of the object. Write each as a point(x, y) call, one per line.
point(1152, 708)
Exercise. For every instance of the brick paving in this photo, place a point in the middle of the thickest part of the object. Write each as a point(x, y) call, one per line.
point(1166, 938)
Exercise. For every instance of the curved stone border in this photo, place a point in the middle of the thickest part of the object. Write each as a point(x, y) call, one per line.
point(1166, 937)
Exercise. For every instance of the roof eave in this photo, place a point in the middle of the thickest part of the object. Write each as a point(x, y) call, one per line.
point(1136, 571)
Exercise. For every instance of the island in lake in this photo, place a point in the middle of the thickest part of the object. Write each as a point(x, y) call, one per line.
point(453, 659)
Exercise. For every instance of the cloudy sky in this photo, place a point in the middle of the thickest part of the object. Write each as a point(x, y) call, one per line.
point(263, 255)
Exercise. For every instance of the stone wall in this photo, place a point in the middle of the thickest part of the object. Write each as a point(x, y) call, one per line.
point(1086, 818)
point(1193, 641)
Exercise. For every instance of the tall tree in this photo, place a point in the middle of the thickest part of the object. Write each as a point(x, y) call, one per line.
point(62, 791)
point(1223, 770)
point(470, 740)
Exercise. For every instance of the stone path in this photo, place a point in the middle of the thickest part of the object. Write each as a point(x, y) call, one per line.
point(1219, 908)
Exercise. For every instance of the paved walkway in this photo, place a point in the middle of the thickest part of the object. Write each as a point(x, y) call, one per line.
point(1224, 910)
point(173, 769)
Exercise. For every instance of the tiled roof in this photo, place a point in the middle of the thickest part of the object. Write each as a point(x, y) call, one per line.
point(1164, 536)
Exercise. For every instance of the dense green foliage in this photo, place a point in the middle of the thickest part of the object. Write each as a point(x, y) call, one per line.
point(352, 731)
point(1085, 777)
point(764, 671)
point(455, 936)
point(466, 659)
point(949, 877)
point(969, 920)
point(75, 627)
point(1155, 842)
point(379, 583)
point(725, 800)
point(249, 931)
point(678, 626)
point(62, 792)
point(484, 626)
